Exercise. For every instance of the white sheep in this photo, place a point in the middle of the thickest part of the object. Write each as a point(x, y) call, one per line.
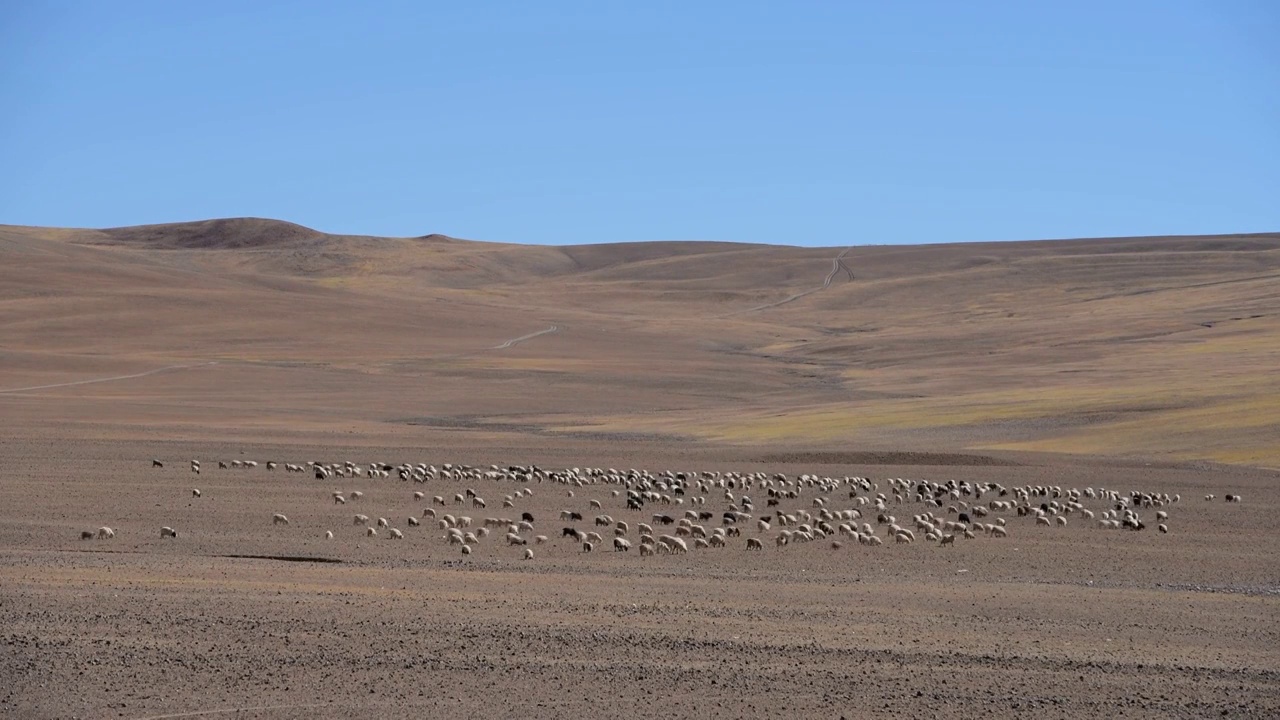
point(360, 520)
point(168, 532)
point(395, 535)
point(466, 549)
point(414, 522)
point(370, 532)
point(279, 519)
point(328, 534)
point(621, 544)
point(106, 533)
point(528, 553)
point(588, 547)
point(195, 492)
point(752, 544)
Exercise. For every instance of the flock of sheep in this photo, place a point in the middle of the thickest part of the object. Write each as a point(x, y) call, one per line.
point(796, 510)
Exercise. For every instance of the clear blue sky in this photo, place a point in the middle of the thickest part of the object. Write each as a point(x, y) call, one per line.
point(555, 122)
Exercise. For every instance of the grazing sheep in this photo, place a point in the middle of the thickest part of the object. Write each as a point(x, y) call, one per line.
point(528, 553)
point(86, 534)
point(360, 520)
point(356, 495)
point(466, 549)
point(753, 544)
point(328, 534)
point(339, 500)
point(1062, 522)
point(621, 544)
point(437, 500)
point(414, 522)
point(195, 492)
point(1233, 498)
point(370, 532)
point(279, 519)
point(395, 534)
point(999, 531)
point(157, 464)
point(1162, 528)
point(1043, 520)
point(168, 532)
point(540, 539)
point(588, 547)
point(382, 522)
point(514, 539)
point(948, 539)
point(418, 496)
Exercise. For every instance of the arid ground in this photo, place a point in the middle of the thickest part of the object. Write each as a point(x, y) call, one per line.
point(1143, 364)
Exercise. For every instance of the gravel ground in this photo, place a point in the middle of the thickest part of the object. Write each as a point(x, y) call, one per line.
point(1048, 623)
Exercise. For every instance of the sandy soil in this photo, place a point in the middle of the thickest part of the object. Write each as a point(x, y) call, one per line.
point(1049, 622)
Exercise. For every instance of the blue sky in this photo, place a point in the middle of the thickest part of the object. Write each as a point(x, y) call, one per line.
point(807, 123)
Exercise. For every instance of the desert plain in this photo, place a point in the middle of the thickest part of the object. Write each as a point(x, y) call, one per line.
point(1129, 364)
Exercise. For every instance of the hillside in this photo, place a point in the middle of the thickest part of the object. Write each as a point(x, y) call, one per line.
point(1154, 348)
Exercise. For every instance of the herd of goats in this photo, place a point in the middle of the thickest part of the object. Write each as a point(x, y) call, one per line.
point(949, 510)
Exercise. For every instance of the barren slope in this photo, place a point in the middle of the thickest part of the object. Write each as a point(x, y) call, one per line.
point(1151, 347)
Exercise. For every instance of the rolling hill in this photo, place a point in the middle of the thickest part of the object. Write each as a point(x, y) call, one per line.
point(1152, 348)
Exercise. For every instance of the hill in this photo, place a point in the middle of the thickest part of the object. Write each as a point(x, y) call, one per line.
point(1155, 348)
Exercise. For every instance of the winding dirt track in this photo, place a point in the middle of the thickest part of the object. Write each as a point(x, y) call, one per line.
point(516, 341)
point(107, 379)
point(837, 264)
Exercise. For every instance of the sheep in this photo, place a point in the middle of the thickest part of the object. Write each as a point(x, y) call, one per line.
point(279, 519)
point(370, 532)
point(360, 520)
point(157, 464)
point(168, 532)
point(673, 544)
point(588, 547)
point(383, 522)
point(195, 492)
point(328, 534)
point(1062, 522)
point(437, 500)
point(1162, 528)
point(466, 549)
point(86, 534)
point(414, 522)
point(754, 544)
point(999, 531)
point(106, 533)
point(621, 544)
point(339, 500)
point(395, 535)
point(1043, 520)
point(528, 553)
point(948, 539)
point(356, 495)
point(1233, 498)
point(540, 539)
point(646, 550)
point(514, 539)
point(418, 495)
